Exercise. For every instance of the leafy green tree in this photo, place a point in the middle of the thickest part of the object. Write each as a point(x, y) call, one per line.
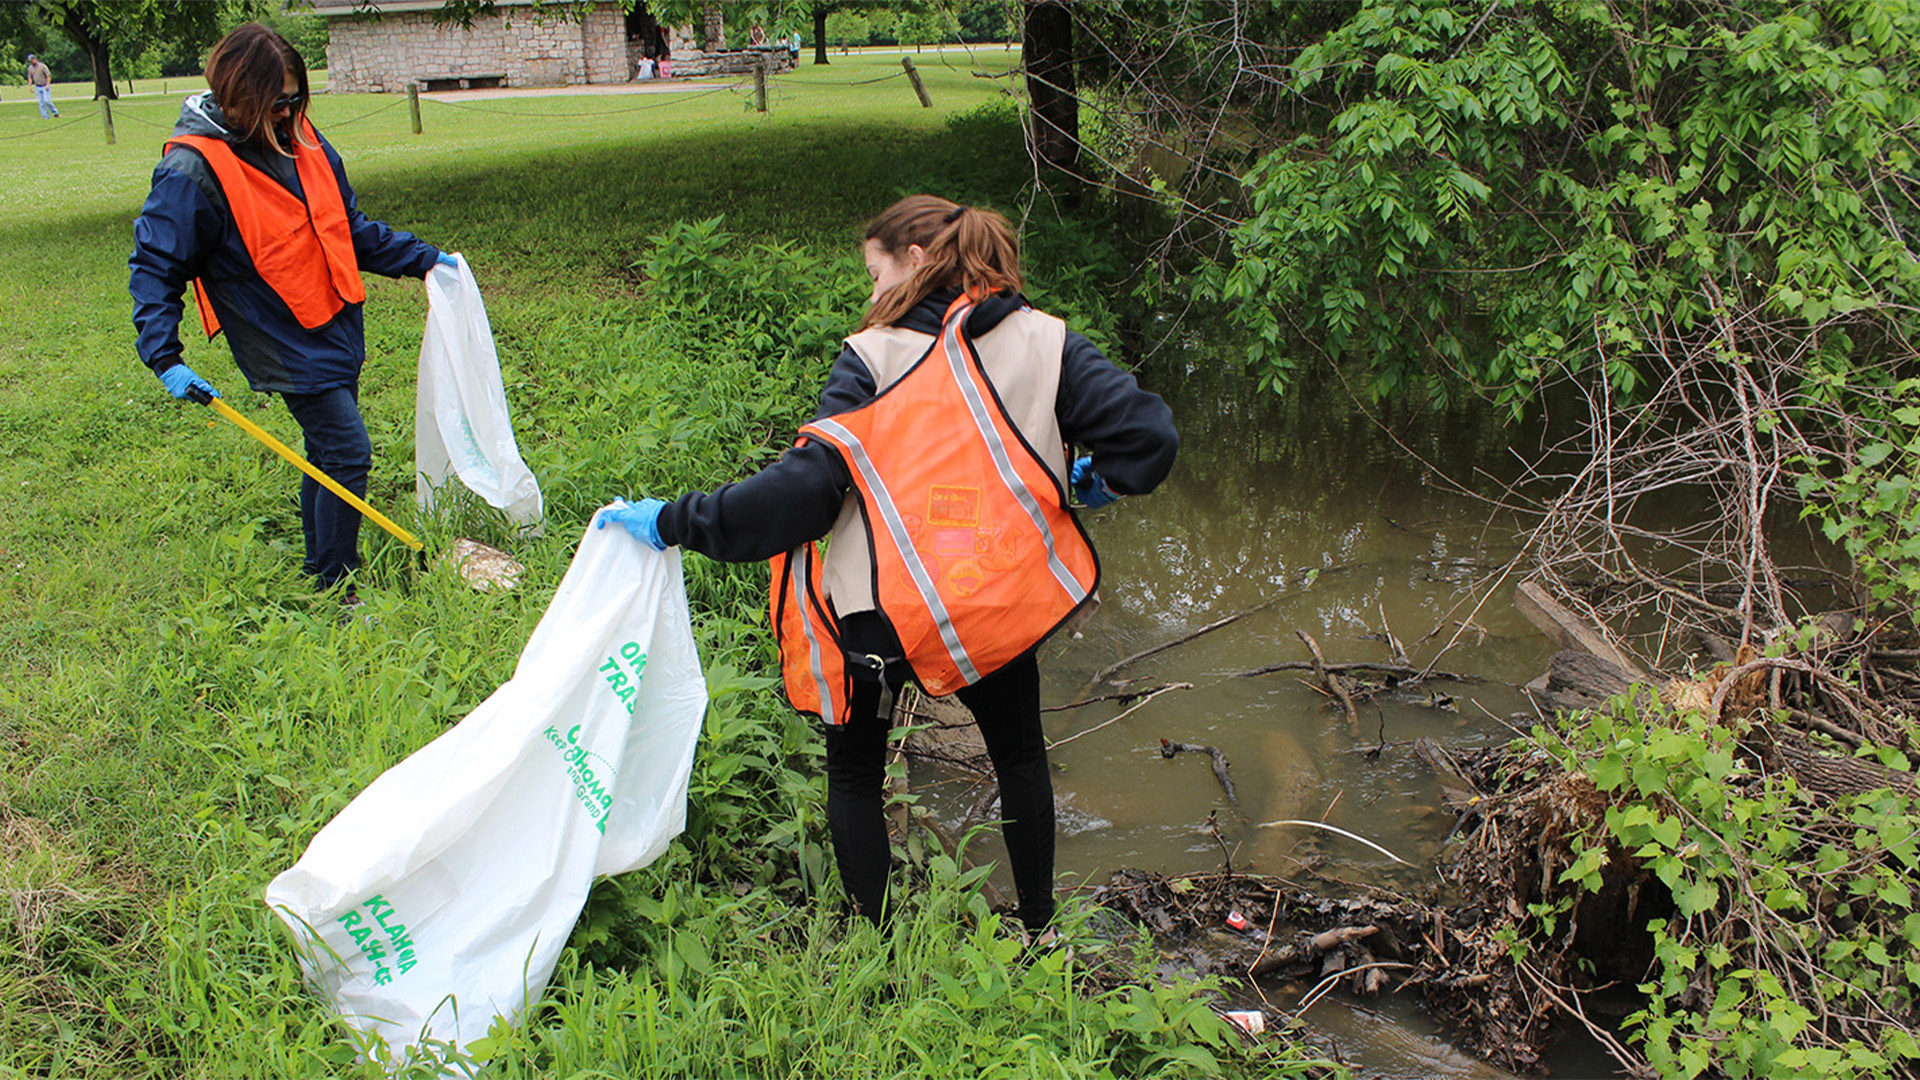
point(919, 25)
point(99, 28)
point(1701, 213)
point(818, 12)
point(305, 30)
point(1047, 52)
point(983, 20)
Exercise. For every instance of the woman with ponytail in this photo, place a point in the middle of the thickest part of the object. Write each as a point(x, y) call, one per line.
point(938, 468)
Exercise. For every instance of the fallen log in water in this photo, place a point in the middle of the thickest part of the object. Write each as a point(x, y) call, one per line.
point(1570, 631)
point(1219, 757)
point(1335, 686)
point(1737, 693)
point(1400, 675)
point(1153, 650)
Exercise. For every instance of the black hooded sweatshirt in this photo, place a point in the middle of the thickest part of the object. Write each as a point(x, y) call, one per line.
point(1129, 432)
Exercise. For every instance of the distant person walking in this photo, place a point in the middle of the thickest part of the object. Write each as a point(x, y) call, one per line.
point(41, 79)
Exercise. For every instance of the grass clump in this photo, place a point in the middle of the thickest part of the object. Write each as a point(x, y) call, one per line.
point(719, 986)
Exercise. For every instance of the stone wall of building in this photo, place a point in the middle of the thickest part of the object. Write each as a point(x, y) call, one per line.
point(603, 35)
point(691, 62)
point(512, 44)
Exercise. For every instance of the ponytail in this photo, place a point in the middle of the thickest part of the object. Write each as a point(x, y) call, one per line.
point(968, 248)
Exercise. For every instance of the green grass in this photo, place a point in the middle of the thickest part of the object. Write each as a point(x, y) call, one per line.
point(179, 714)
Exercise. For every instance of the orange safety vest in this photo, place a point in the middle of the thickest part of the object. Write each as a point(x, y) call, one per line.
point(303, 250)
point(976, 556)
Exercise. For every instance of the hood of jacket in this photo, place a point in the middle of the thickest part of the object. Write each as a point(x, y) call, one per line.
point(987, 314)
point(200, 116)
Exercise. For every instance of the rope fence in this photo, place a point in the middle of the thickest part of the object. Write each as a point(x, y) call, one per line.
point(670, 99)
point(675, 99)
point(394, 104)
point(788, 80)
point(64, 122)
point(168, 126)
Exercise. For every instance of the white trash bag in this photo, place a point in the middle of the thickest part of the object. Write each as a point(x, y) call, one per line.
point(460, 421)
point(441, 896)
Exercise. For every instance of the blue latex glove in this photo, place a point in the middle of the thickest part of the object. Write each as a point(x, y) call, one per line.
point(1087, 484)
point(182, 383)
point(641, 519)
point(448, 261)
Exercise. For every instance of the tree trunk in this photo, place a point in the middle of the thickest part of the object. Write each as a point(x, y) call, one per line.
point(820, 35)
point(97, 53)
point(1047, 53)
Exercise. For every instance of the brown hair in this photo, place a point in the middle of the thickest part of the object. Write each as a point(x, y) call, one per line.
point(968, 248)
point(247, 72)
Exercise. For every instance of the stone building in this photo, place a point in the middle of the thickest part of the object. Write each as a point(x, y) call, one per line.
point(383, 45)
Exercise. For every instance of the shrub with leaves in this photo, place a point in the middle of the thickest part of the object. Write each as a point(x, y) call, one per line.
point(1793, 948)
point(1697, 217)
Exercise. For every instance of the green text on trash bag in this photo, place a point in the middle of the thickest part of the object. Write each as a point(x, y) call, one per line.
point(593, 775)
point(632, 658)
point(365, 923)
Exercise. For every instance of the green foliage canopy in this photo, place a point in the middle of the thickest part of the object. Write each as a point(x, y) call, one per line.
point(127, 38)
point(1548, 188)
point(1705, 205)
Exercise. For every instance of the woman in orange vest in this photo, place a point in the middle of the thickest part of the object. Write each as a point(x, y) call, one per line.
point(250, 208)
point(938, 467)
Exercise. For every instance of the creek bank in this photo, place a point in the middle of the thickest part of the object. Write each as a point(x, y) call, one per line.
point(1512, 945)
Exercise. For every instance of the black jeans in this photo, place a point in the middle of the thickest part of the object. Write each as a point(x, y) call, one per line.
point(1006, 706)
point(337, 444)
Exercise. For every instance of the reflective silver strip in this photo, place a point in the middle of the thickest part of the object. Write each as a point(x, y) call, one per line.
point(800, 581)
point(977, 406)
point(897, 528)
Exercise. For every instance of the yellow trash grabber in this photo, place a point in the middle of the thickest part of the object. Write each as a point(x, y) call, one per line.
point(306, 466)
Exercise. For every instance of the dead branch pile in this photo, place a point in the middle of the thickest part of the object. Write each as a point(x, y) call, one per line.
point(1795, 713)
point(1525, 817)
point(1382, 942)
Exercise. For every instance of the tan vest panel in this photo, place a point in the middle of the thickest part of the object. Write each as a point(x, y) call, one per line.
point(1022, 360)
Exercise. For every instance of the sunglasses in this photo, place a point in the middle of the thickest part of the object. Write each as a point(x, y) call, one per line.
point(290, 102)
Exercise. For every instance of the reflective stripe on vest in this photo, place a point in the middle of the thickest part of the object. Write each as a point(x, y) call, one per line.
point(813, 666)
point(303, 250)
point(962, 362)
point(975, 557)
point(880, 501)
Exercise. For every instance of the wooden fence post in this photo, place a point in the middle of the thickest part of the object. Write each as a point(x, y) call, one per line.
point(413, 103)
point(760, 83)
point(106, 117)
point(920, 88)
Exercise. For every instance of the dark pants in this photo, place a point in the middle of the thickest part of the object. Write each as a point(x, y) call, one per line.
point(1006, 706)
point(337, 445)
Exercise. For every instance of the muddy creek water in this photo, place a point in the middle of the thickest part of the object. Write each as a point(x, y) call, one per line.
point(1309, 501)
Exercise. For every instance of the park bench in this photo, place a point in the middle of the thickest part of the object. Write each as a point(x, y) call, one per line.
point(464, 82)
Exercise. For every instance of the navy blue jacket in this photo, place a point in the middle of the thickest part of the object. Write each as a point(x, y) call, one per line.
point(185, 231)
point(1129, 432)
